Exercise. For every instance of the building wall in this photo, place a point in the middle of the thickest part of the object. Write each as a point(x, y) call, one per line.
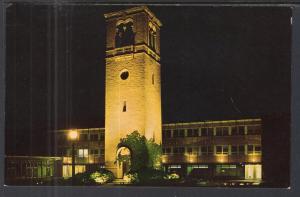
point(31, 169)
point(236, 143)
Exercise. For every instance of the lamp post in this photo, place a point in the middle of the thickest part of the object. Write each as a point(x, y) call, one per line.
point(73, 135)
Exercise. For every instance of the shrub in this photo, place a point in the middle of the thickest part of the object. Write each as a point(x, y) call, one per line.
point(172, 176)
point(102, 177)
point(151, 176)
point(131, 178)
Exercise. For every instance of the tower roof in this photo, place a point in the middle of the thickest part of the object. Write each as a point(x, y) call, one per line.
point(132, 11)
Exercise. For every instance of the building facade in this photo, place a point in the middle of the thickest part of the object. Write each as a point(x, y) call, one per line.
point(229, 149)
point(89, 150)
point(31, 169)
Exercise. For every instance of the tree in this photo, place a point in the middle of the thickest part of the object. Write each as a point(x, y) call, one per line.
point(154, 154)
point(136, 143)
point(144, 154)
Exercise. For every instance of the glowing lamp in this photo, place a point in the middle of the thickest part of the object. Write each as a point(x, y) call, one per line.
point(73, 135)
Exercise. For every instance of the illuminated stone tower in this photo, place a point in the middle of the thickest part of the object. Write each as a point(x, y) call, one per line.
point(133, 91)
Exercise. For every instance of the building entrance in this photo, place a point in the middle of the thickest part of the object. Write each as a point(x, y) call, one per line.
point(123, 161)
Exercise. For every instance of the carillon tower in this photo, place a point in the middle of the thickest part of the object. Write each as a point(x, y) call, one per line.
point(132, 85)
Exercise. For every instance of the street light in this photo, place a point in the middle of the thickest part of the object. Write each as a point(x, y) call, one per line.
point(73, 136)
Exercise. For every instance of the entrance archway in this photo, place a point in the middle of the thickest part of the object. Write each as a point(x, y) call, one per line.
point(124, 161)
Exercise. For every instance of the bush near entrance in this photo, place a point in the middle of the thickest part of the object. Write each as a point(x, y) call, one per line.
point(98, 177)
point(145, 161)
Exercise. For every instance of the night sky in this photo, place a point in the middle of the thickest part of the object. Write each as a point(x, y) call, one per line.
point(216, 63)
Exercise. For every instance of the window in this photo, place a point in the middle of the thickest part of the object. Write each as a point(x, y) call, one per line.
point(222, 131)
point(253, 130)
point(210, 131)
point(237, 149)
point(181, 133)
point(206, 150)
point(241, 149)
point(204, 132)
point(241, 130)
point(253, 149)
point(234, 131)
point(207, 131)
point(190, 150)
point(152, 36)
point(178, 150)
point(82, 152)
point(124, 34)
point(93, 137)
point(101, 151)
point(166, 150)
point(94, 152)
point(257, 149)
point(83, 137)
point(175, 166)
point(124, 75)
point(167, 133)
point(124, 106)
point(175, 133)
point(222, 149)
point(192, 132)
point(178, 133)
point(199, 166)
point(102, 136)
point(152, 79)
point(234, 150)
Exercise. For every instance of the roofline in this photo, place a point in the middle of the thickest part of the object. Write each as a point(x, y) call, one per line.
point(82, 129)
point(133, 10)
point(213, 122)
point(179, 123)
point(33, 157)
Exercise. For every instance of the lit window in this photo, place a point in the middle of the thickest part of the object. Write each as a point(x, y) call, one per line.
point(82, 152)
point(175, 166)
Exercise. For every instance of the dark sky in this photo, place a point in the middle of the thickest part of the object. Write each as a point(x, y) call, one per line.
point(216, 63)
